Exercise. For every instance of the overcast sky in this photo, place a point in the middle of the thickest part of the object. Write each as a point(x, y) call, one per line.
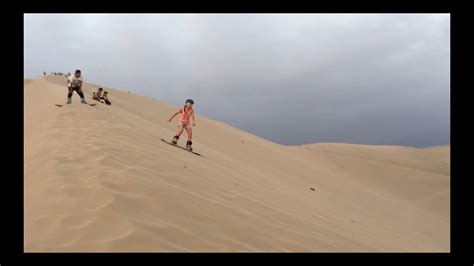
point(289, 78)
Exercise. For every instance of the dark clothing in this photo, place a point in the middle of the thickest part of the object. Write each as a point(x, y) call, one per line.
point(77, 89)
point(106, 99)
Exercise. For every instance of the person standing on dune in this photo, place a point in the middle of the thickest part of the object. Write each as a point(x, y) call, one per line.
point(75, 84)
point(184, 123)
point(68, 78)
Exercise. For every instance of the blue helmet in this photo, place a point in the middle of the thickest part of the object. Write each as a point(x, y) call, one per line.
point(189, 101)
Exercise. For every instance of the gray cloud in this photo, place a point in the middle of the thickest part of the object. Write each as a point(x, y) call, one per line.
point(290, 78)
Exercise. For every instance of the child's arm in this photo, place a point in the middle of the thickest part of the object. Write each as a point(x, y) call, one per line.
point(192, 117)
point(175, 114)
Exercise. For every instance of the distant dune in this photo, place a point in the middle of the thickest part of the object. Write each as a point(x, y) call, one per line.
point(99, 179)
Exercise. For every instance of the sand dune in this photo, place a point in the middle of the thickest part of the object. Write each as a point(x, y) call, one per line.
point(99, 179)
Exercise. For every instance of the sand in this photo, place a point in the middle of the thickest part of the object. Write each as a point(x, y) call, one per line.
point(98, 179)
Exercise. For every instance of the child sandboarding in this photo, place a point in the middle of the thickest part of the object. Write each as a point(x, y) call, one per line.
point(187, 114)
point(74, 83)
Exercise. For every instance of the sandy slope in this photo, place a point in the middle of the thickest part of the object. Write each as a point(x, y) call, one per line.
point(99, 179)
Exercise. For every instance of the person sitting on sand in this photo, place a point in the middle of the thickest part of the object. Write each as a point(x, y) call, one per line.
point(75, 85)
point(97, 95)
point(184, 123)
point(105, 98)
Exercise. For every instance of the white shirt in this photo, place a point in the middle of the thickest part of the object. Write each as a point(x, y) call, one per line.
point(75, 82)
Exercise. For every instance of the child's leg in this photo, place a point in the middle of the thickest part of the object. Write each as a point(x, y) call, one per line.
point(81, 94)
point(189, 130)
point(69, 93)
point(180, 130)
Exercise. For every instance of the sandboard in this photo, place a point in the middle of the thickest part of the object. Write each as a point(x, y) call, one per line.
point(59, 105)
point(180, 147)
